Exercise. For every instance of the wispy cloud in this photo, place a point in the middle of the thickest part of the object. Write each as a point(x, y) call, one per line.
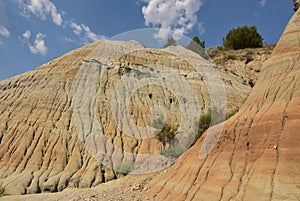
point(77, 29)
point(89, 34)
point(38, 47)
point(172, 17)
point(84, 32)
point(42, 9)
point(4, 31)
point(262, 3)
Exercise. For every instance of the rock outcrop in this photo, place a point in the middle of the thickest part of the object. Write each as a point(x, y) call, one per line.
point(245, 63)
point(257, 156)
point(60, 123)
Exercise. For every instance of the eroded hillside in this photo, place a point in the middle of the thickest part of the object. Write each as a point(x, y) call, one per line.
point(245, 63)
point(257, 156)
point(61, 125)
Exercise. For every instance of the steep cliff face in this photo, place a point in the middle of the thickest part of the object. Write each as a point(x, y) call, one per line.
point(60, 123)
point(257, 156)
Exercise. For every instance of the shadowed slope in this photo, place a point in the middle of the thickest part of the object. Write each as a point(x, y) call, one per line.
point(258, 154)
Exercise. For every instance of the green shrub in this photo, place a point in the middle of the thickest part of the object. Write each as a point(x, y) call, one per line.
point(171, 41)
point(198, 46)
point(206, 121)
point(2, 191)
point(173, 151)
point(243, 37)
point(166, 135)
point(204, 124)
point(195, 44)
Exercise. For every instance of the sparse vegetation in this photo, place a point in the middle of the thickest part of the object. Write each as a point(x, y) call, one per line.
point(206, 121)
point(243, 37)
point(198, 46)
point(125, 168)
point(223, 57)
point(166, 135)
point(171, 41)
point(2, 191)
point(195, 43)
point(231, 114)
point(204, 124)
point(173, 151)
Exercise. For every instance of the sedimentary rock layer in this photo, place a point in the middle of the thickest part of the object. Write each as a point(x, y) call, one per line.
point(257, 156)
point(59, 122)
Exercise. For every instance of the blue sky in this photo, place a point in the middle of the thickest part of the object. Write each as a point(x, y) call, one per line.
point(33, 32)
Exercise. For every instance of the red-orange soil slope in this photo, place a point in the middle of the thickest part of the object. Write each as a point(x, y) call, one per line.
point(258, 154)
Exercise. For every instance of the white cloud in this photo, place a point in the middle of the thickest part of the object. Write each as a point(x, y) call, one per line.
point(89, 34)
point(26, 35)
point(56, 16)
point(77, 29)
point(262, 3)
point(84, 33)
point(4, 31)
point(41, 8)
point(172, 17)
point(39, 46)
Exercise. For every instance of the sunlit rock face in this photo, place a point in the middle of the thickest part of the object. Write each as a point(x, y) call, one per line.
point(257, 156)
point(57, 125)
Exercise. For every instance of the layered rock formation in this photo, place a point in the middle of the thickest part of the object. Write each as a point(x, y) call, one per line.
point(246, 63)
point(257, 156)
point(60, 123)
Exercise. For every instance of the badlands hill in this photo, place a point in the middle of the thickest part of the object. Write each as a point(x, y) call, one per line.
point(63, 124)
point(257, 156)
